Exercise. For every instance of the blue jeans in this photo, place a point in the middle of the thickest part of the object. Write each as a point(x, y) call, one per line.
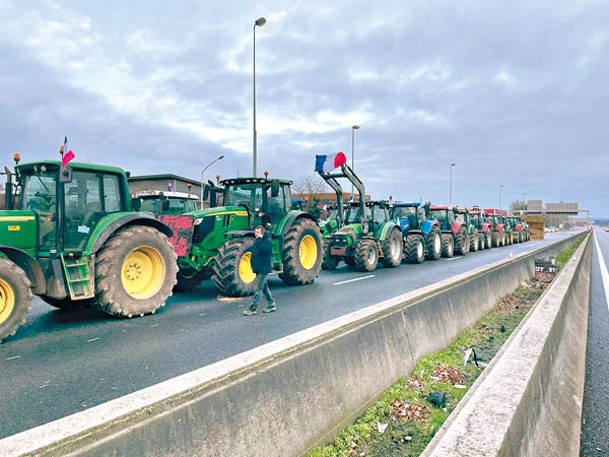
point(262, 287)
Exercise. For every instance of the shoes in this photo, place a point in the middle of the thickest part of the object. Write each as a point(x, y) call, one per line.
point(250, 311)
point(270, 309)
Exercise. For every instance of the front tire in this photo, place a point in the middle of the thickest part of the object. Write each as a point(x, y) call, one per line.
point(302, 253)
point(433, 244)
point(15, 298)
point(330, 262)
point(474, 241)
point(414, 250)
point(366, 256)
point(233, 273)
point(135, 272)
point(393, 249)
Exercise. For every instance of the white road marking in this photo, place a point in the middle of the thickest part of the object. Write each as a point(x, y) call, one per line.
point(154, 325)
point(604, 272)
point(14, 357)
point(353, 280)
point(455, 258)
point(93, 339)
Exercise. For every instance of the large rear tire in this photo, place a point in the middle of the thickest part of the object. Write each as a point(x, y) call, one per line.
point(15, 298)
point(414, 249)
point(433, 244)
point(302, 253)
point(233, 273)
point(393, 249)
point(462, 241)
point(448, 245)
point(366, 256)
point(496, 239)
point(135, 272)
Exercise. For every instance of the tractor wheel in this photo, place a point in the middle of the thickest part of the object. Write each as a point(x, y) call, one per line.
point(393, 249)
point(434, 244)
point(233, 273)
point(329, 262)
point(462, 241)
point(496, 239)
point(302, 253)
point(474, 243)
point(66, 304)
point(488, 239)
point(414, 250)
point(135, 272)
point(15, 297)
point(448, 245)
point(366, 256)
point(189, 279)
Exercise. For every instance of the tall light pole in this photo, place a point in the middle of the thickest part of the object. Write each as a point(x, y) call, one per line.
point(450, 199)
point(203, 172)
point(260, 23)
point(500, 187)
point(353, 129)
point(524, 201)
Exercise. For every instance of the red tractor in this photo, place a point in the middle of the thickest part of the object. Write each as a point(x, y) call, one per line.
point(485, 228)
point(500, 235)
point(454, 232)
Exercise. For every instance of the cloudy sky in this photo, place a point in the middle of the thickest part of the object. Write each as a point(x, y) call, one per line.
point(515, 93)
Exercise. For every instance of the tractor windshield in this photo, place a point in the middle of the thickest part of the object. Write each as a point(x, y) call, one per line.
point(460, 217)
point(439, 214)
point(249, 195)
point(404, 211)
point(353, 214)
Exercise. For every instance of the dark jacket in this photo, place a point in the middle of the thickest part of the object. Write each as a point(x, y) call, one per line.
point(262, 254)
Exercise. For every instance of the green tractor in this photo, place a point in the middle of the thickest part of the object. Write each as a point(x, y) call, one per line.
point(366, 235)
point(223, 236)
point(68, 234)
point(464, 216)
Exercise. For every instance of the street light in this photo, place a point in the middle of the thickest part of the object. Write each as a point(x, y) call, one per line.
point(353, 129)
point(203, 172)
point(500, 187)
point(450, 199)
point(260, 23)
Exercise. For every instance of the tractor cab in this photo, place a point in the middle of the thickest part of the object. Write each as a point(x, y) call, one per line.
point(444, 215)
point(410, 215)
point(266, 200)
point(67, 208)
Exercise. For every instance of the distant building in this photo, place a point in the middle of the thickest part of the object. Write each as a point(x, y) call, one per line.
point(556, 214)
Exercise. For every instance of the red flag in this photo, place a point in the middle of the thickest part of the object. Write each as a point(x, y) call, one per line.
point(67, 157)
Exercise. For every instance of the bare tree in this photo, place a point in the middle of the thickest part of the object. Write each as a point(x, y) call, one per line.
point(518, 205)
point(310, 185)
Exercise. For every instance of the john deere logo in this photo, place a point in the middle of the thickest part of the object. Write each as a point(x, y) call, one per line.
point(14, 228)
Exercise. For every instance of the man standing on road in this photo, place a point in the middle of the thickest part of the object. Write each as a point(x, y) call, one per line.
point(262, 258)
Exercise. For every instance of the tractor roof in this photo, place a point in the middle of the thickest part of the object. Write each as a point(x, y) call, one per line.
point(401, 204)
point(157, 193)
point(445, 207)
point(54, 164)
point(258, 180)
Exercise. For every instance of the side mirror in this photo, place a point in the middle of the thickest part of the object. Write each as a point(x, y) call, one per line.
point(136, 203)
point(275, 189)
point(65, 174)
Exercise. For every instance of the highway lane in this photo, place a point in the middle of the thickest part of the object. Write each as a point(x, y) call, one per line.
point(61, 363)
point(595, 426)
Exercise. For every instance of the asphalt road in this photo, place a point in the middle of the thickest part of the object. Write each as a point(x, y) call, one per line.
point(61, 363)
point(595, 426)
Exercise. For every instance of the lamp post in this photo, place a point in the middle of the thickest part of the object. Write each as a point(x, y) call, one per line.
point(203, 172)
point(353, 129)
point(260, 23)
point(524, 201)
point(450, 195)
point(500, 187)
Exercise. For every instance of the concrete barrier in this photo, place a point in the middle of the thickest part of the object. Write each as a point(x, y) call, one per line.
point(284, 397)
point(529, 400)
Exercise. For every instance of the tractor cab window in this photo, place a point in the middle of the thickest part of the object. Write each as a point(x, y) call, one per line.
point(39, 194)
point(88, 197)
point(353, 214)
point(277, 205)
point(379, 215)
point(460, 217)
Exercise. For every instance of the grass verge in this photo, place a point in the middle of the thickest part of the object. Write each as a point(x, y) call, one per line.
point(409, 413)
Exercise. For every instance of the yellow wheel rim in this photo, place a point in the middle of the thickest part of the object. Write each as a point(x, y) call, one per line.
point(246, 273)
point(307, 251)
point(7, 300)
point(143, 273)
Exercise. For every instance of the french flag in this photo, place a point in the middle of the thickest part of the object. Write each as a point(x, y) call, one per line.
point(326, 163)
